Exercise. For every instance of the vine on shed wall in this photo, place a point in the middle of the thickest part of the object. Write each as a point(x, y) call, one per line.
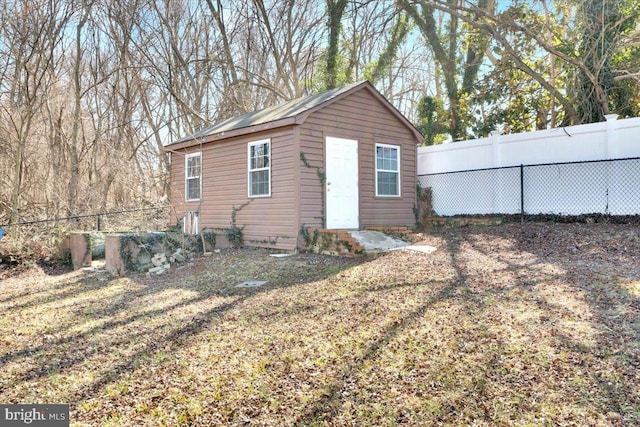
point(322, 177)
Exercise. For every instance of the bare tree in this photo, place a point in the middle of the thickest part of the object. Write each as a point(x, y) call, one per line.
point(31, 32)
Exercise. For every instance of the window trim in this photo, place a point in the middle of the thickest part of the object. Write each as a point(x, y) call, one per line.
point(375, 159)
point(187, 178)
point(249, 170)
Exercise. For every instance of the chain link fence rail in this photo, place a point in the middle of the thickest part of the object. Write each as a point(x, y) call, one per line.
point(153, 218)
point(606, 187)
point(43, 238)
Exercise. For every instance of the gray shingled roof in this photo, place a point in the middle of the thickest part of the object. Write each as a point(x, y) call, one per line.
point(271, 114)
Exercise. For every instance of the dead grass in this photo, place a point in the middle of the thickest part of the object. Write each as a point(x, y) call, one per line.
point(511, 325)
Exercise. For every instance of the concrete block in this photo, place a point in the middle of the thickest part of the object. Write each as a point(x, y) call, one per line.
point(113, 260)
point(79, 247)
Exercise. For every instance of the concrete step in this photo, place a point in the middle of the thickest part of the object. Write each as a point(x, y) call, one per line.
point(356, 243)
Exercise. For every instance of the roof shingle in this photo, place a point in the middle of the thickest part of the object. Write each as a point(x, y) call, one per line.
point(270, 114)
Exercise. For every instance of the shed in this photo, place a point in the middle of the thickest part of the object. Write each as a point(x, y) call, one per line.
point(341, 159)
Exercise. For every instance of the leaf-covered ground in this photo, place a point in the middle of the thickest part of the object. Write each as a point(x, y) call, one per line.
point(534, 324)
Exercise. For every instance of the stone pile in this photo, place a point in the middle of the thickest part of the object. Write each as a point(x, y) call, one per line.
point(162, 263)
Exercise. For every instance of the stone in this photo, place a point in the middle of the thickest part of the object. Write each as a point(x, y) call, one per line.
point(250, 284)
point(155, 270)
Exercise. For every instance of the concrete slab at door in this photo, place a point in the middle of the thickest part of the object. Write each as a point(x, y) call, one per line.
point(342, 183)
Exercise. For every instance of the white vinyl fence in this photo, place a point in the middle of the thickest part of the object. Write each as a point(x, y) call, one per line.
point(575, 170)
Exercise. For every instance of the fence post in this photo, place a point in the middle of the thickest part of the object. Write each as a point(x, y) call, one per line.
point(612, 153)
point(611, 143)
point(496, 158)
point(98, 222)
point(496, 161)
point(521, 193)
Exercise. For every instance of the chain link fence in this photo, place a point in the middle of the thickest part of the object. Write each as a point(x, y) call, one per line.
point(605, 187)
point(153, 218)
point(38, 238)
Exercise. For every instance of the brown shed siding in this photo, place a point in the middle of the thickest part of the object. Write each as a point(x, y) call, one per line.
point(363, 117)
point(224, 185)
point(311, 190)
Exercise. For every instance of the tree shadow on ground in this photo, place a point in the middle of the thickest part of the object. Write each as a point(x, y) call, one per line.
point(526, 318)
point(581, 303)
point(112, 325)
point(603, 358)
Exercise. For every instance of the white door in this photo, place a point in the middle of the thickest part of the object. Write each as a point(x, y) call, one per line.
point(342, 183)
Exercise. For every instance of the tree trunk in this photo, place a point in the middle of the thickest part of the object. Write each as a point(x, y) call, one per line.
point(17, 183)
point(336, 10)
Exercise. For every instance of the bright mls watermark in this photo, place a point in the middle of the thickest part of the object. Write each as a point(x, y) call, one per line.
point(34, 415)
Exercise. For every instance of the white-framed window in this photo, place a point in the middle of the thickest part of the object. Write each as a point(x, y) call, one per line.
point(387, 170)
point(259, 168)
point(193, 176)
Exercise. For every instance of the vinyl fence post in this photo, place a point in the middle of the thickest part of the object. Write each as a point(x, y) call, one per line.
point(521, 193)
